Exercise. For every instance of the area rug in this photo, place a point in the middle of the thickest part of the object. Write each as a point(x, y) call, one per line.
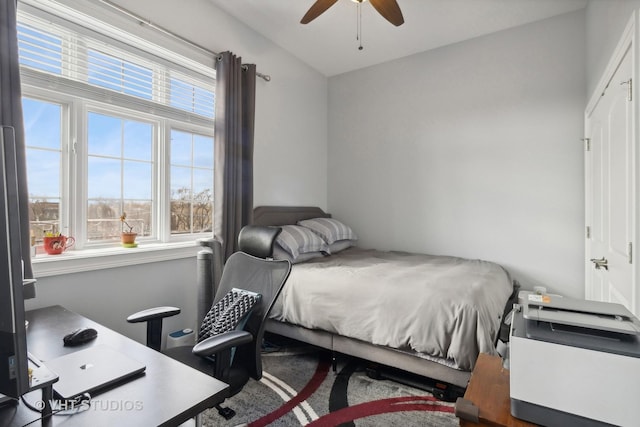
point(299, 387)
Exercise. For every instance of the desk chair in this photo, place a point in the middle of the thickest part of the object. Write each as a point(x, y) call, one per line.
point(232, 356)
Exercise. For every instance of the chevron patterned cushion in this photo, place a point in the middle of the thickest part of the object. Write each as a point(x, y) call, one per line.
point(228, 313)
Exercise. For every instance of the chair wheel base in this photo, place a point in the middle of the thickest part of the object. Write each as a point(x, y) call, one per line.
point(227, 413)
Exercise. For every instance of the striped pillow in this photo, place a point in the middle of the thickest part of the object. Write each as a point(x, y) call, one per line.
point(331, 230)
point(298, 240)
point(280, 253)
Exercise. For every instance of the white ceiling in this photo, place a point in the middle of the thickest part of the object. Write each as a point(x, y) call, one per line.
point(329, 43)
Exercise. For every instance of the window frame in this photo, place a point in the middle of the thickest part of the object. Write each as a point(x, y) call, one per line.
point(82, 152)
point(161, 245)
point(167, 169)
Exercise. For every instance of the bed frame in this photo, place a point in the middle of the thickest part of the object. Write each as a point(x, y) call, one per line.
point(450, 382)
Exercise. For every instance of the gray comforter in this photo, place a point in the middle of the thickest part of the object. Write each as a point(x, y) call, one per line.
point(444, 307)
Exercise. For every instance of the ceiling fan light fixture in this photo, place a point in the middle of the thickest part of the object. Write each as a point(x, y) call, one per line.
point(389, 10)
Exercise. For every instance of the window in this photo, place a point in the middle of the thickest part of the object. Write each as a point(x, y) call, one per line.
point(44, 163)
point(119, 176)
point(113, 128)
point(191, 183)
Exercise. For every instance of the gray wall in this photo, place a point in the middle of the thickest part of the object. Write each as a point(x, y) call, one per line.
point(470, 150)
point(108, 296)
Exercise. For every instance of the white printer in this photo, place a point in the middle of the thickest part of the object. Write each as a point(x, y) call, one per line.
point(574, 362)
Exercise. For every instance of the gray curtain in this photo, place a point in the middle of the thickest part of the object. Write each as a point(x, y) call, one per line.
point(11, 115)
point(234, 131)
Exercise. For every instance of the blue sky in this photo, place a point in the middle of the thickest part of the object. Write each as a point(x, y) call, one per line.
point(113, 143)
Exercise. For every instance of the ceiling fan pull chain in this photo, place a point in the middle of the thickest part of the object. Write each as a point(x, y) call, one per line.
point(357, 22)
point(359, 36)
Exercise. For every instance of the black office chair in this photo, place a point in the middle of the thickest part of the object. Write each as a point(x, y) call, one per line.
point(232, 356)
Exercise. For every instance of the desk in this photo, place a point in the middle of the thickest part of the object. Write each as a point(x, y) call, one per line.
point(168, 394)
point(489, 391)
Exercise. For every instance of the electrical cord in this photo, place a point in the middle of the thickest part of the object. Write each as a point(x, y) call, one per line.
point(64, 407)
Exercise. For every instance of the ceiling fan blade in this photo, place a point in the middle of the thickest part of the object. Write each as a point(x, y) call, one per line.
point(390, 10)
point(316, 10)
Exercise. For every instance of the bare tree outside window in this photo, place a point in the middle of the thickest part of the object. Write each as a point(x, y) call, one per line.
point(191, 183)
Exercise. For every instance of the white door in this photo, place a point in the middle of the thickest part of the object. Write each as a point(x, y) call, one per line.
point(610, 174)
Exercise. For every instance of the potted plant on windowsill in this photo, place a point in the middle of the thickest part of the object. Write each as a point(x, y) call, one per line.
point(127, 236)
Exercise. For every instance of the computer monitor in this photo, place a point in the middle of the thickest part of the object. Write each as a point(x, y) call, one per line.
point(14, 376)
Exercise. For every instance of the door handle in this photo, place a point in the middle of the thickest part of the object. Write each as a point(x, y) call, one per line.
point(600, 263)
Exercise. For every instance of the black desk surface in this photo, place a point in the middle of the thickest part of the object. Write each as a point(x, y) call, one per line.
point(168, 393)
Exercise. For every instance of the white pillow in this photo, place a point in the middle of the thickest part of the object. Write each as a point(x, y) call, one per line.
point(298, 240)
point(329, 229)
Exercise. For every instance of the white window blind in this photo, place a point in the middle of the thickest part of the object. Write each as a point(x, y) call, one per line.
point(71, 57)
point(40, 50)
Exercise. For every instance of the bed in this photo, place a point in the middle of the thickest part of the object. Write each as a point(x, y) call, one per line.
point(427, 315)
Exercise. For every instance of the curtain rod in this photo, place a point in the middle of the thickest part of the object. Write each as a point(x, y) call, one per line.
point(147, 22)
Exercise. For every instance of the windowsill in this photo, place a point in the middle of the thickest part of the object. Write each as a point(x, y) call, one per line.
point(98, 259)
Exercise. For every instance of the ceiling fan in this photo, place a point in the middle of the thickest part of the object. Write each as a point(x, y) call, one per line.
point(389, 10)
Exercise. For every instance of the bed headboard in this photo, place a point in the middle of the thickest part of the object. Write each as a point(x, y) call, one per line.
point(283, 215)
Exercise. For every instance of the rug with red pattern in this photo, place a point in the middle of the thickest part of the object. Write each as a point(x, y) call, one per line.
point(299, 387)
